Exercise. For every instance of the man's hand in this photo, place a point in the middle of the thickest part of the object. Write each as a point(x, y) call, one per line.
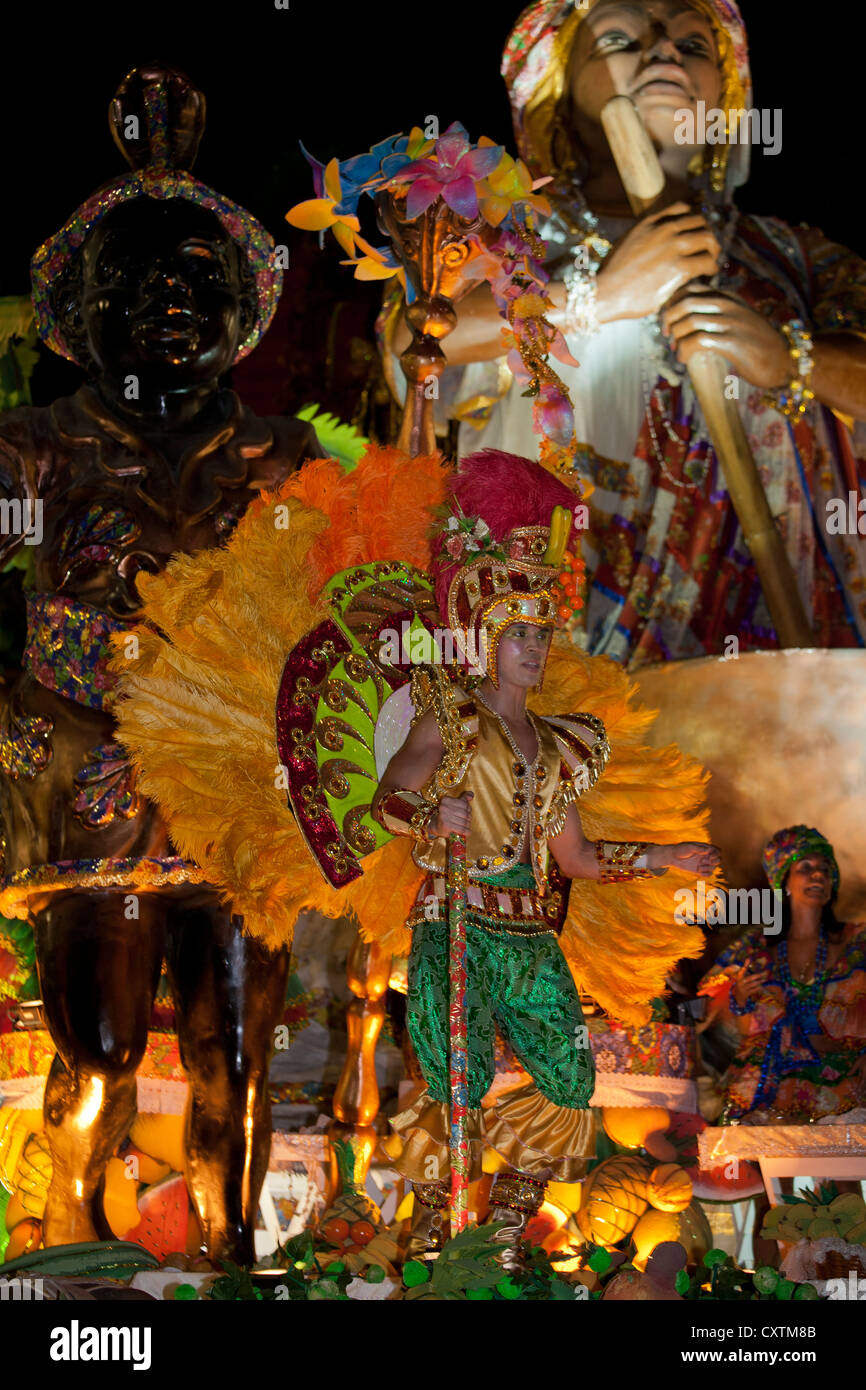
point(454, 818)
point(692, 856)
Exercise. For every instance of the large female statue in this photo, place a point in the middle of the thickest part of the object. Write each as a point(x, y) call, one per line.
point(670, 573)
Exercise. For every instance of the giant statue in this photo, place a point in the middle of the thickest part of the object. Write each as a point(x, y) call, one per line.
point(155, 286)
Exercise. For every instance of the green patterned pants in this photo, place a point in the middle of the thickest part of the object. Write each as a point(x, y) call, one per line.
point(520, 984)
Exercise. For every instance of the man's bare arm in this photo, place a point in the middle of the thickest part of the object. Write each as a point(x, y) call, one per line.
point(413, 765)
point(576, 855)
point(411, 768)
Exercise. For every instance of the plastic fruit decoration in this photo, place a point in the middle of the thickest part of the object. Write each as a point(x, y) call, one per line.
point(632, 1286)
point(689, 1228)
point(669, 1188)
point(630, 1125)
point(614, 1200)
point(120, 1197)
point(26, 1237)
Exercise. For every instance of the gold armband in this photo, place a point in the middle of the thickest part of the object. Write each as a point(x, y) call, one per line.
point(618, 861)
point(403, 812)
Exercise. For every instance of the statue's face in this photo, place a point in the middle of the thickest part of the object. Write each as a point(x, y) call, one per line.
point(661, 53)
point(162, 297)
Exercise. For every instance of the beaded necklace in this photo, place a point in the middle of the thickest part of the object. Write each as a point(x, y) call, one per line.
point(585, 224)
point(526, 799)
point(801, 1016)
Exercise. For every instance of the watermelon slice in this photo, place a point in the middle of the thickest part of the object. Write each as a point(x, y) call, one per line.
point(164, 1209)
point(730, 1181)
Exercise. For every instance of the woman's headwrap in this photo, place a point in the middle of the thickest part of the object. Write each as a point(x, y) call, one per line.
point(494, 566)
point(796, 842)
point(156, 119)
point(535, 67)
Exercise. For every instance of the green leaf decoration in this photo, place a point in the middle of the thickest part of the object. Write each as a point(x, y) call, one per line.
point(765, 1279)
point(507, 1288)
point(682, 1282)
point(714, 1257)
point(185, 1293)
point(234, 1285)
point(785, 1289)
point(415, 1272)
point(469, 1261)
point(600, 1260)
point(339, 440)
point(806, 1293)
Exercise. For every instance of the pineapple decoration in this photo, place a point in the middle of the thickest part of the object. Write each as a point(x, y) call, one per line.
point(818, 1215)
point(352, 1228)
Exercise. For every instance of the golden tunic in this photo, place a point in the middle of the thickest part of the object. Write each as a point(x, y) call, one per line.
point(516, 803)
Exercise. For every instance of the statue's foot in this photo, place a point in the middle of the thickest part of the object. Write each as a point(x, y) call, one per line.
point(72, 1224)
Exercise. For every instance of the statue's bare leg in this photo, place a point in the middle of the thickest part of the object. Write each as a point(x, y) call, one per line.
point(229, 994)
point(98, 968)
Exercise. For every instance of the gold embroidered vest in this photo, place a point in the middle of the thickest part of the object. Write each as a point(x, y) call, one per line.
point(517, 804)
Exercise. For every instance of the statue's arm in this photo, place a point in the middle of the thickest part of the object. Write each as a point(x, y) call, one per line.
point(20, 505)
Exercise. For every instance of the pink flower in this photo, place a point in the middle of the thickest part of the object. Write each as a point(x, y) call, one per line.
point(454, 547)
point(451, 174)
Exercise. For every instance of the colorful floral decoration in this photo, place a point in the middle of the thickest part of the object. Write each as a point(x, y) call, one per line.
point(104, 785)
point(475, 181)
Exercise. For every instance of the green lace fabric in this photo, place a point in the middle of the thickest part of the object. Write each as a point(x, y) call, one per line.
point(518, 983)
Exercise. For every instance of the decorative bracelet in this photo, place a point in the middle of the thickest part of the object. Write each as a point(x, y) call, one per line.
point(619, 861)
point(403, 812)
point(739, 1009)
point(581, 296)
point(794, 399)
point(519, 1192)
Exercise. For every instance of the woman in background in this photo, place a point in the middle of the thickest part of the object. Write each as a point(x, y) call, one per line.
point(797, 1000)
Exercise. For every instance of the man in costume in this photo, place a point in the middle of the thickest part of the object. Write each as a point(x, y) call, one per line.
point(670, 574)
point(513, 795)
point(155, 286)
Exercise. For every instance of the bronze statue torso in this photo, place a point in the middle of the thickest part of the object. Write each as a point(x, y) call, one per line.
point(112, 506)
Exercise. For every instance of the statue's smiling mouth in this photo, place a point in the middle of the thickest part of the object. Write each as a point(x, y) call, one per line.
point(166, 323)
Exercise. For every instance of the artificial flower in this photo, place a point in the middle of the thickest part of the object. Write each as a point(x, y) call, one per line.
point(451, 174)
point(318, 214)
point(509, 183)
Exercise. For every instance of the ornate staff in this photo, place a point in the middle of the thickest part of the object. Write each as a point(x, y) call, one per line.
point(643, 180)
point(457, 1055)
point(431, 689)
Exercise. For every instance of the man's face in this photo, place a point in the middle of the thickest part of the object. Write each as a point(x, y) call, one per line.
point(162, 296)
point(661, 53)
point(521, 654)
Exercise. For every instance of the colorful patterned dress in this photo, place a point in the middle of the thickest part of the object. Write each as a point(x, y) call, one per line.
point(777, 1075)
point(669, 573)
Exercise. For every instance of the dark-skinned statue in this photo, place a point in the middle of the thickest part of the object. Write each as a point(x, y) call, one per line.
point(155, 287)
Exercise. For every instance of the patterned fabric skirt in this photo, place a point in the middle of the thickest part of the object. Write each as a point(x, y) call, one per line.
point(517, 980)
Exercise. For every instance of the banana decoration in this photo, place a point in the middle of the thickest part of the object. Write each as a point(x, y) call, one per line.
point(560, 526)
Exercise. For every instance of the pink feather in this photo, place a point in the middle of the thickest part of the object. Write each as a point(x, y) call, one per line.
point(506, 491)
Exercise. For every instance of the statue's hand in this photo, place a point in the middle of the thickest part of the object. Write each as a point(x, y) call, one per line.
point(702, 320)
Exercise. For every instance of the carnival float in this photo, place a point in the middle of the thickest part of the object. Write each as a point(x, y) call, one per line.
point(239, 627)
